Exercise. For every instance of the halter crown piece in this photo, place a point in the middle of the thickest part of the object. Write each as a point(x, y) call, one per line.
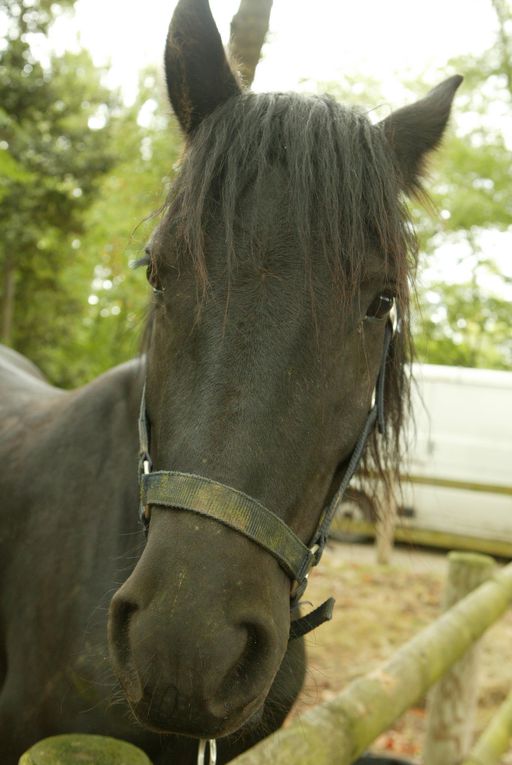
point(239, 511)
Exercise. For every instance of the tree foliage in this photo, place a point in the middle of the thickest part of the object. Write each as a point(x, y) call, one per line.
point(54, 147)
point(462, 313)
point(466, 320)
point(82, 177)
point(116, 229)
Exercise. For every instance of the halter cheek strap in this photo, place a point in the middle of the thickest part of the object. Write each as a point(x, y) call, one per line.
point(247, 516)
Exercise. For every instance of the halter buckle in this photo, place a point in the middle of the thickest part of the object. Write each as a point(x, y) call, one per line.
point(299, 586)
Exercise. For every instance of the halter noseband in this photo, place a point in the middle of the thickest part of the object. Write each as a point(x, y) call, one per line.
point(247, 516)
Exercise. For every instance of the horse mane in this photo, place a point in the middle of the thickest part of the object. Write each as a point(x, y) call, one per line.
point(344, 197)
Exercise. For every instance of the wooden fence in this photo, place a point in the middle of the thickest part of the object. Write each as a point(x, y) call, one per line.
point(338, 731)
point(445, 653)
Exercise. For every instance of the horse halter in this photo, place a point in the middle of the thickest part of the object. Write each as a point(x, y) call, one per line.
point(247, 516)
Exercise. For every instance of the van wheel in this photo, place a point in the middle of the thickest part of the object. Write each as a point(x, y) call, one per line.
point(356, 506)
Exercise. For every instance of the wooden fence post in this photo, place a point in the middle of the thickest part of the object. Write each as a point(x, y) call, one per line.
point(340, 729)
point(385, 529)
point(495, 739)
point(80, 748)
point(452, 701)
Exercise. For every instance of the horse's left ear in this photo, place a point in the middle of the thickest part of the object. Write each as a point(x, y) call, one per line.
point(415, 131)
point(196, 69)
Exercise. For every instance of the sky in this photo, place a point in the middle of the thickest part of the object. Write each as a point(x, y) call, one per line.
point(309, 40)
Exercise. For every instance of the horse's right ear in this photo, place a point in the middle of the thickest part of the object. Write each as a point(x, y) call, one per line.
point(415, 131)
point(196, 69)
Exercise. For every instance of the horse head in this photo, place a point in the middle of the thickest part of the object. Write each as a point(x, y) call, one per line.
point(284, 246)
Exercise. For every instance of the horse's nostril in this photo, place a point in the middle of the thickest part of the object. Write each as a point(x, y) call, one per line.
point(122, 612)
point(257, 648)
point(240, 687)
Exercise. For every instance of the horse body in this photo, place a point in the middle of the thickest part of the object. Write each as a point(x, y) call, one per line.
point(69, 497)
point(282, 250)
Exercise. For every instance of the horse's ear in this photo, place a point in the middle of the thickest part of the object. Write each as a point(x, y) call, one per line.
point(415, 131)
point(196, 69)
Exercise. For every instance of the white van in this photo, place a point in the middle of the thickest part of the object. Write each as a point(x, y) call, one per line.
point(457, 483)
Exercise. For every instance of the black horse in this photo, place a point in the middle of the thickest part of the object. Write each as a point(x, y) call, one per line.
point(283, 247)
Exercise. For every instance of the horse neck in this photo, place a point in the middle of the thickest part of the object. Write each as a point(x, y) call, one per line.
point(99, 424)
point(108, 409)
point(114, 396)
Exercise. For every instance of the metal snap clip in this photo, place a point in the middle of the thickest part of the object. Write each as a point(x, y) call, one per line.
point(202, 750)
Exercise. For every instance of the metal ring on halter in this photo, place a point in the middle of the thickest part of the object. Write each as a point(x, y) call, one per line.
point(395, 319)
point(202, 749)
point(298, 587)
point(146, 465)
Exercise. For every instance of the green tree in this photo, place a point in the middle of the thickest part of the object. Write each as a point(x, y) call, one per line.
point(462, 314)
point(466, 320)
point(54, 147)
point(109, 325)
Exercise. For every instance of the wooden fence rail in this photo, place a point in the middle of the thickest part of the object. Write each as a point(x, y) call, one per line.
point(339, 730)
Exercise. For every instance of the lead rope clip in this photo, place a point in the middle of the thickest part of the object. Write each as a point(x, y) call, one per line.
point(202, 750)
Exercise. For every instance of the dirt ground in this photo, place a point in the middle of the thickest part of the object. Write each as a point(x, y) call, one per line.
point(377, 609)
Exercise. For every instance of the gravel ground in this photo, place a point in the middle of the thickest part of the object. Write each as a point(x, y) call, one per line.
point(377, 609)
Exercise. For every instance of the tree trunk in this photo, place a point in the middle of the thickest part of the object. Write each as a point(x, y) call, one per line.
point(72, 748)
point(249, 27)
point(8, 292)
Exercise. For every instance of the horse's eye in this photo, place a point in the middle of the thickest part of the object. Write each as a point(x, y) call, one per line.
point(152, 277)
point(381, 305)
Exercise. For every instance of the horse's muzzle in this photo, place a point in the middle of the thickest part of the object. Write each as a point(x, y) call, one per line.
point(197, 648)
